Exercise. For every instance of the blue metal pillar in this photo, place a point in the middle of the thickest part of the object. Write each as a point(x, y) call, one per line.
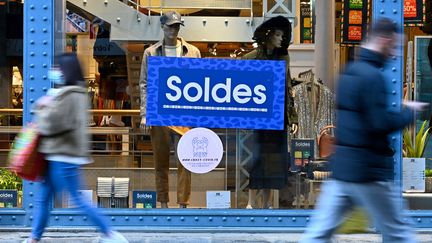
point(393, 9)
point(38, 57)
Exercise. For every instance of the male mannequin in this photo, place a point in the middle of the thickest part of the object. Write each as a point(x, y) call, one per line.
point(173, 46)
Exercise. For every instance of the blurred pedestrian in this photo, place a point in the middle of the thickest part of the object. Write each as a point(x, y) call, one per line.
point(362, 166)
point(62, 120)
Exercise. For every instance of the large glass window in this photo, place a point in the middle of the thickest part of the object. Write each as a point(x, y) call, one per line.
point(417, 165)
point(11, 100)
point(124, 173)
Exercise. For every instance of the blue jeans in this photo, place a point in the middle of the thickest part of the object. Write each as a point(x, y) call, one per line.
point(62, 176)
point(381, 202)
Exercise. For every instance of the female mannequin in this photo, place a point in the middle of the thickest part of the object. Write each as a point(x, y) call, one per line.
point(269, 169)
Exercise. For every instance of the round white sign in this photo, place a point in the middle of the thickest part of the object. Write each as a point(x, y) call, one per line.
point(200, 150)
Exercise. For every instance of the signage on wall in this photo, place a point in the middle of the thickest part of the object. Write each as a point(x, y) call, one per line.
point(144, 199)
point(413, 174)
point(355, 15)
point(8, 198)
point(302, 152)
point(200, 150)
point(306, 23)
point(218, 199)
point(215, 93)
point(414, 12)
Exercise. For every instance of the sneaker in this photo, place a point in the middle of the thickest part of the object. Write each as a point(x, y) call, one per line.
point(104, 121)
point(114, 237)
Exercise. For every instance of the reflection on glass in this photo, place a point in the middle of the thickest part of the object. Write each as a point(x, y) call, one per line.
point(123, 173)
point(417, 175)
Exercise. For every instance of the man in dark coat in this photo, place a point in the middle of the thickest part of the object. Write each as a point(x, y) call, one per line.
point(362, 166)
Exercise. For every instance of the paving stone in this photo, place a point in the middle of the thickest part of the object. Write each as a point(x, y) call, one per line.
point(90, 236)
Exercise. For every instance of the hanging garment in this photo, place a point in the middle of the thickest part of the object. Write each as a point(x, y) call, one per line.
point(313, 117)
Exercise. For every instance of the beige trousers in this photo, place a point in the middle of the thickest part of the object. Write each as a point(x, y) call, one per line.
point(161, 139)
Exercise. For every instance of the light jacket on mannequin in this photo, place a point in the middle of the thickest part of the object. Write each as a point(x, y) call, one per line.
point(171, 45)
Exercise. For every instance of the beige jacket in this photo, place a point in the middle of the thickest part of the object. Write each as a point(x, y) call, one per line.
point(63, 123)
point(188, 50)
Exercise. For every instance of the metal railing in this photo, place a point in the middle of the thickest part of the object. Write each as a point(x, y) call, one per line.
point(109, 144)
point(193, 4)
point(75, 24)
point(106, 112)
point(161, 5)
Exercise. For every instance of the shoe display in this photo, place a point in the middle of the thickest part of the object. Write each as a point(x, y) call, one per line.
point(104, 121)
point(115, 121)
point(114, 237)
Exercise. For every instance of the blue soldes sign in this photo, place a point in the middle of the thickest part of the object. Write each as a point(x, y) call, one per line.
point(144, 199)
point(215, 93)
point(8, 198)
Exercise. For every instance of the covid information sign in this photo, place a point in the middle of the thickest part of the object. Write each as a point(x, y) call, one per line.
point(215, 93)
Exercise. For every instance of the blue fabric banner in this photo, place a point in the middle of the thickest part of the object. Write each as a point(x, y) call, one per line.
point(216, 93)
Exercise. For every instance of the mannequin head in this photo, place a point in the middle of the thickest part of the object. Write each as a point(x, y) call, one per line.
point(274, 39)
point(170, 24)
point(274, 35)
point(170, 32)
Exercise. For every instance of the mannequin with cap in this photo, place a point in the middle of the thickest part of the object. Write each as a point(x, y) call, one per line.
point(162, 138)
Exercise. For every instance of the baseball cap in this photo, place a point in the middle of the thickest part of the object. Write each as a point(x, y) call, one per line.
point(170, 18)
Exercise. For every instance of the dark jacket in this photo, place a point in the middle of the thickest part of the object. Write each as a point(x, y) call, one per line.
point(364, 123)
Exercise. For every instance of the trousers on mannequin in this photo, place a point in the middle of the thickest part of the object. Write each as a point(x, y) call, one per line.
point(266, 194)
point(161, 140)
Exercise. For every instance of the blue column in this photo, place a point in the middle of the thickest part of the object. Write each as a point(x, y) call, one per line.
point(38, 57)
point(393, 9)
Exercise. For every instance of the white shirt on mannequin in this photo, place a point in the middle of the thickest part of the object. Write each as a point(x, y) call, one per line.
point(173, 51)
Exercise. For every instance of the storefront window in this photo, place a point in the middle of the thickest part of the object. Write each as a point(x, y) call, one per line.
point(124, 173)
point(11, 100)
point(417, 167)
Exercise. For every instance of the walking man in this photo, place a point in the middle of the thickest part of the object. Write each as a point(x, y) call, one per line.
point(362, 166)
